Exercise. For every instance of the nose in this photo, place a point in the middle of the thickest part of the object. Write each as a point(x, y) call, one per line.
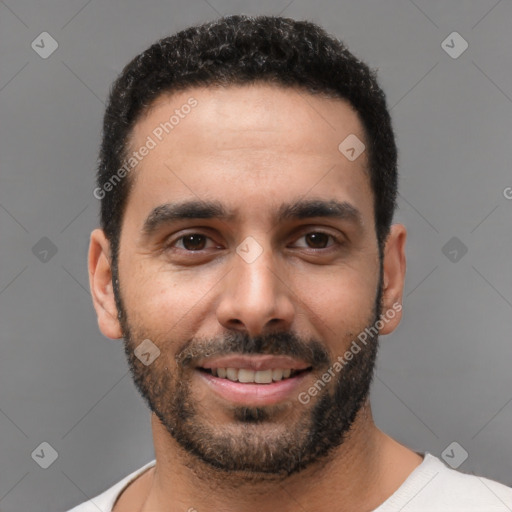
point(255, 298)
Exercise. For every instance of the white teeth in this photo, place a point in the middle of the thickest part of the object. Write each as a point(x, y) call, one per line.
point(277, 374)
point(247, 376)
point(232, 374)
point(263, 377)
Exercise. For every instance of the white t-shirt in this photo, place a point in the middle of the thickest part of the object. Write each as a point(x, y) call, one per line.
point(431, 487)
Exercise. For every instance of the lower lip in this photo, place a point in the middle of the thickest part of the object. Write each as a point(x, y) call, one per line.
point(255, 394)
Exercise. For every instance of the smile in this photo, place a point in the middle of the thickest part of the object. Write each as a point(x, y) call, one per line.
point(246, 375)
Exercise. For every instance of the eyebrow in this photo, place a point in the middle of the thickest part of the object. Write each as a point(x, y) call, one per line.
point(297, 210)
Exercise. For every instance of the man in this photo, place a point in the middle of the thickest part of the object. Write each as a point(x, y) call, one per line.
point(248, 182)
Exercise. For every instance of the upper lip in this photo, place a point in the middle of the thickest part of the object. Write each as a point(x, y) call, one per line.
point(256, 363)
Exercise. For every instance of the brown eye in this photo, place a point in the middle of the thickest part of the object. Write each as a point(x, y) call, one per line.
point(194, 242)
point(317, 240)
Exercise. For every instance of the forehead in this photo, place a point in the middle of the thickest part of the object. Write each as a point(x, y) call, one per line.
point(245, 146)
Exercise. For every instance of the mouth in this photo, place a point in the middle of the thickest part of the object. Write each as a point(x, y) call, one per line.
point(254, 380)
point(246, 375)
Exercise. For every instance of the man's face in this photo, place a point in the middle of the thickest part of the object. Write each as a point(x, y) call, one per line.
point(287, 279)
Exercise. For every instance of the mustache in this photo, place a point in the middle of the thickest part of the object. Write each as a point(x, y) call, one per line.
point(236, 342)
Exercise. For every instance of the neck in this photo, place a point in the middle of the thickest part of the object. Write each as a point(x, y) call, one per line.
point(359, 475)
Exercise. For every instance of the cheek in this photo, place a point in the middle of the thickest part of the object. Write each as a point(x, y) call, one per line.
point(161, 298)
point(340, 300)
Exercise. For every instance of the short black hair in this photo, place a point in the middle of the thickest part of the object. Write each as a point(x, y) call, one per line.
point(237, 50)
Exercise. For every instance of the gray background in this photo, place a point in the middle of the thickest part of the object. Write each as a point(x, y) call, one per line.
point(443, 376)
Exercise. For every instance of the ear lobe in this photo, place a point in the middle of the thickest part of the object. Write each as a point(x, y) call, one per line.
point(394, 267)
point(100, 282)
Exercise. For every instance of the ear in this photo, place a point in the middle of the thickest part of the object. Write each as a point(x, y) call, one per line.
point(100, 281)
point(393, 278)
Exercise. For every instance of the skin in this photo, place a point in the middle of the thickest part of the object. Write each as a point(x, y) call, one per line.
point(267, 146)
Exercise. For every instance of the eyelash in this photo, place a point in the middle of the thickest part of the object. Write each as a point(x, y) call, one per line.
point(336, 241)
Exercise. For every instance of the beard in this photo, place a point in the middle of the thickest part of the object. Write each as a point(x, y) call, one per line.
point(256, 443)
